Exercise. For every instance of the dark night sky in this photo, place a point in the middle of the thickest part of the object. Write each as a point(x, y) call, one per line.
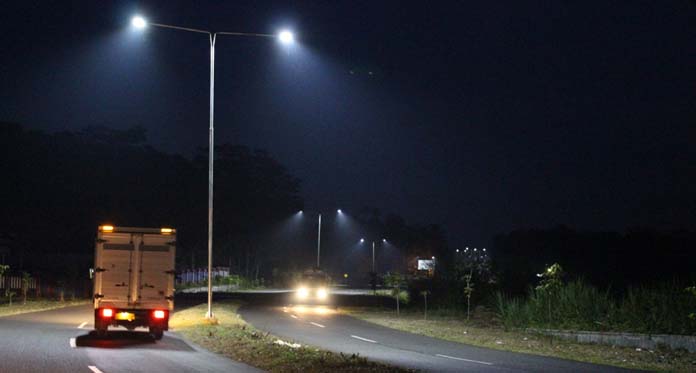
point(481, 116)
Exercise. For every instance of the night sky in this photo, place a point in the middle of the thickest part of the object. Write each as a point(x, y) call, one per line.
point(480, 116)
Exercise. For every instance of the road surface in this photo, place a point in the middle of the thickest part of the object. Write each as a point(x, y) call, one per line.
point(325, 328)
point(60, 341)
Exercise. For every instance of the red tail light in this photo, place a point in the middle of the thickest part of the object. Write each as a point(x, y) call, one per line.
point(107, 312)
point(159, 314)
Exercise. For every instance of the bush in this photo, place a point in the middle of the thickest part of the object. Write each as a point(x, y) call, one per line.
point(579, 306)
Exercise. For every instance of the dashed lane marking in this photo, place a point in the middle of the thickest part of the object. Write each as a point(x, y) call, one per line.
point(461, 359)
point(363, 339)
point(94, 369)
point(315, 324)
point(293, 316)
point(82, 325)
point(72, 343)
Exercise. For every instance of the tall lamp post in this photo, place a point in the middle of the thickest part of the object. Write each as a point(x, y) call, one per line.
point(301, 212)
point(384, 240)
point(285, 37)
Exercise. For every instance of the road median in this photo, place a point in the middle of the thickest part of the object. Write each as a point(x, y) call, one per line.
point(231, 336)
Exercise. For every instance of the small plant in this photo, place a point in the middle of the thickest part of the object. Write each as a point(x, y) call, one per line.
point(425, 293)
point(468, 290)
point(9, 294)
point(26, 279)
point(395, 281)
point(551, 283)
point(692, 290)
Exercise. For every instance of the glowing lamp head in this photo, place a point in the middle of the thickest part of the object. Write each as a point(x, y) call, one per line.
point(339, 211)
point(286, 37)
point(138, 22)
point(362, 240)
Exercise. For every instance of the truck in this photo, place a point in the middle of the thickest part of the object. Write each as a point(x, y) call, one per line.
point(134, 278)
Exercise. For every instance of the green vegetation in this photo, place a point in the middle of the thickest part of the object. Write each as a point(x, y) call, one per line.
point(231, 336)
point(575, 305)
point(484, 329)
point(30, 305)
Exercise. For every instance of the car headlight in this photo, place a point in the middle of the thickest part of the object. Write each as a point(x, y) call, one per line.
point(321, 293)
point(302, 293)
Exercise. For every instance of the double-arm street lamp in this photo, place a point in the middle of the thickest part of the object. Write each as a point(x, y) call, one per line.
point(285, 37)
point(384, 240)
point(301, 212)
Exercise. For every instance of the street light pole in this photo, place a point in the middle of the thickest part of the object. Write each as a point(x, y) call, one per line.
point(211, 151)
point(286, 37)
point(319, 241)
point(373, 256)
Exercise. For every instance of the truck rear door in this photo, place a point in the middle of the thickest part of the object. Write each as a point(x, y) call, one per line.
point(114, 270)
point(156, 269)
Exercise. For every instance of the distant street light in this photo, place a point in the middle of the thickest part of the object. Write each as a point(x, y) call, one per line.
point(384, 241)
point(285, 37)
point(319, 235)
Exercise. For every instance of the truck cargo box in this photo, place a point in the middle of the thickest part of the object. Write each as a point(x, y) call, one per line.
point(134, 278)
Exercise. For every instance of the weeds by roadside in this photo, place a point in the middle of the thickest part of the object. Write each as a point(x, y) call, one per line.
point(485, 330)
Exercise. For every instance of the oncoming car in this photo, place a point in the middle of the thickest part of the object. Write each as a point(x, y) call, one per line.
point(313, 288)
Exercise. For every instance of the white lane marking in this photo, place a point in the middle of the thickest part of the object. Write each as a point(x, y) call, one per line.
point(82, 325)
point(363, 339)
point(293, 316)
point(72, 343)
point(315, 324)
point(94, 369)
point(460, 359)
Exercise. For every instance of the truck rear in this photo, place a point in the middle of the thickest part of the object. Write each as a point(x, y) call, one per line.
point(134, 278)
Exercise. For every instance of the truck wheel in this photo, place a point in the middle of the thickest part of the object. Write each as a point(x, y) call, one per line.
point(157, 333)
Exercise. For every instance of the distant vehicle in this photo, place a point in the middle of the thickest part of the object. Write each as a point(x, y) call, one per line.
point(134, 278)
point(313, 287)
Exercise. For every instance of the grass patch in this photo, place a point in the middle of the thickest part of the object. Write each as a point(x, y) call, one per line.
point(231, 336)
point(484, 330)
point(36, 305)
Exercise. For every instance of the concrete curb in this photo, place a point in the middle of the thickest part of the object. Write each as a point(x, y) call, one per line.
point(645, 341)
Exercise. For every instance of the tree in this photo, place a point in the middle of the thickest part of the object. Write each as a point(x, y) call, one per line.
point(551, 282)
point(395, 281)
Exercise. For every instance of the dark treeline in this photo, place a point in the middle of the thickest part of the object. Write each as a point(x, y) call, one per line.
point(613, 260)
point(57, 188)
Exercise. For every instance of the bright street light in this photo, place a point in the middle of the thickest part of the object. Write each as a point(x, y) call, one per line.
point(286, 37)
point(139, 22)
point(362, 240)
point(339, 211)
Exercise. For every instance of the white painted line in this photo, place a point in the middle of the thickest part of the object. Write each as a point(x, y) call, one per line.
point(82, 325)
point(315, 324)
point(94, 369)
point(363, 339)
point(293, 316)
point(72, 343)
point(460, 359)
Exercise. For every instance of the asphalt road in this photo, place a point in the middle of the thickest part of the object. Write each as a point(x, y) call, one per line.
point(61, 341)
point(326, 329)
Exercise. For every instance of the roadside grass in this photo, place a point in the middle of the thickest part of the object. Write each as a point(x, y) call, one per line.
point(231, 336)
point(35, 305)
point(485, 331)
